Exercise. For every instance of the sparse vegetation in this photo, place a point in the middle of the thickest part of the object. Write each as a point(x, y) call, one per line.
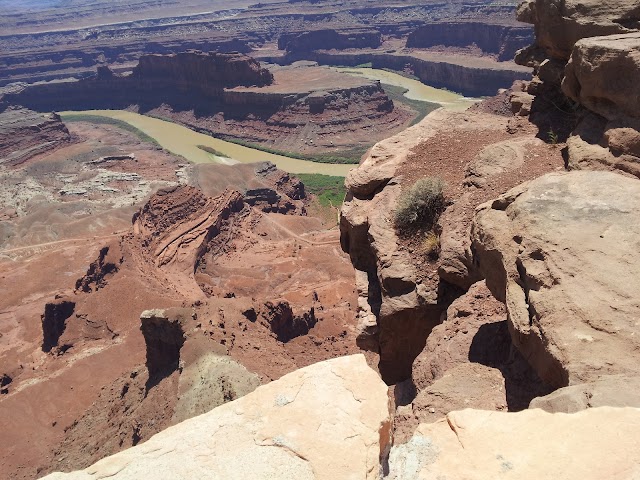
point(329, 190)
point(419, 207)
point(350, 156)
point(431, 245)
point(211, 150)
point(553, 137)
point(396, 94)
point(100, 120)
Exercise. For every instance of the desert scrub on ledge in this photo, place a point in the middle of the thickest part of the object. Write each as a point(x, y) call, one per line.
point(419, 207)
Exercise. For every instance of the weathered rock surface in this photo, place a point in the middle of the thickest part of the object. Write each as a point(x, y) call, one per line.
point(560, 252)
point(474, 444)
point(602, 75)
point(300, 426)
point(559, 24)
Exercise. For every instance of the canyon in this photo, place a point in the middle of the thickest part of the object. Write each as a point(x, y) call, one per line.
point(468, 310)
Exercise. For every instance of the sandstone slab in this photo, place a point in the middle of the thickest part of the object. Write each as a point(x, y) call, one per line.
point(326, 421)
point(473, 444)
point(561, 252)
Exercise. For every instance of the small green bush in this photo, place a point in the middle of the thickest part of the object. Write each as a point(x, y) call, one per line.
point(421, 205)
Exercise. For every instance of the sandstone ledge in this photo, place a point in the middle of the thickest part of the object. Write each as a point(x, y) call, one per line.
point(326, 421)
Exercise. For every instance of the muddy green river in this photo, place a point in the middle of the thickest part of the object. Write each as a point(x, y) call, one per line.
point(416, 90)
point(184, 141)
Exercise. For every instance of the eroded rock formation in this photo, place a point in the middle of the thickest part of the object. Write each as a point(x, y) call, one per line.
point(24, 134)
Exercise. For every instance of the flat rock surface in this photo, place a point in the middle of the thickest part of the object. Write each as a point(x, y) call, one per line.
point(326, 421)
point(561, 252)
point(532, 444)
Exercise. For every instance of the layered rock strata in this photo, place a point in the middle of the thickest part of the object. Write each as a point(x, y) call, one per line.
point(503, 41)
point(25, 134)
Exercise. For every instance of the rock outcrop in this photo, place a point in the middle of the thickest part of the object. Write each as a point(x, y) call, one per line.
point(477, 445)
point(602, 73)
point(559, 24)
point(596, 108)
point(25, 133)
point(297, 427)
point(560, 252)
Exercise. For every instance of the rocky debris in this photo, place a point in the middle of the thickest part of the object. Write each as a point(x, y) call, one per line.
point(498, 39)
point(25, 133)
point(298, 42)
point(107, 264)
point(291, 186)
point(299, 426)
point(593, 75)
point(475, 444)
point(559, 25)
point(570, 303)
point(54, 322)
point(164, 334)
point(286, 325)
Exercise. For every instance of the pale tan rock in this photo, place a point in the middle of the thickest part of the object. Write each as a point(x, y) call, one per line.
point(326, 421)
point(532, 444)
point(611, 391)
point(562, 252)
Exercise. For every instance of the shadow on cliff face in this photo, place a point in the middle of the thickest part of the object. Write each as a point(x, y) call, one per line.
point(492, 346)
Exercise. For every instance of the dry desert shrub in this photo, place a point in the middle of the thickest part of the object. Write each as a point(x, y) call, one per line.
point(420, 206)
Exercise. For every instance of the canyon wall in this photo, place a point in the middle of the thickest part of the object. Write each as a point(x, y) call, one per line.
point(156, 79)
point(329, 39)
point(472, 79)
point(501, 40)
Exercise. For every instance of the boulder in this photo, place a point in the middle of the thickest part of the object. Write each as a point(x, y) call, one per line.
point(602, 75)
point(326, 421)
point(533, 444)
point(561, 253)
point(559, 24)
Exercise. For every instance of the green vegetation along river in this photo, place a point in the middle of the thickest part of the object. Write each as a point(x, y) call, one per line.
point(189, 144)
point(416, 90)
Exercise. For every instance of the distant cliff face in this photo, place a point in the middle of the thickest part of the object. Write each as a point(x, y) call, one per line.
point(329, 39)
point(208, 73)
point(502, 40)
point(183, 78)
